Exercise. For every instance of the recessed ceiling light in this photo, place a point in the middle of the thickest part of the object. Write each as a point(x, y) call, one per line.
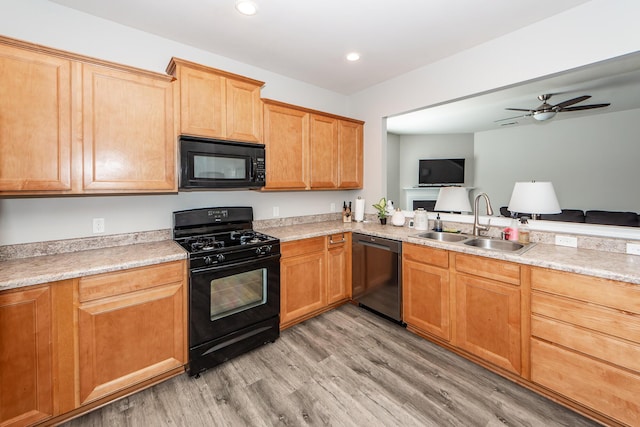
point(353, 56)
point(246, 7)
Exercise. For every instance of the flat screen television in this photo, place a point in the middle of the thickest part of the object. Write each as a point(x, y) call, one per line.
point(441, 172)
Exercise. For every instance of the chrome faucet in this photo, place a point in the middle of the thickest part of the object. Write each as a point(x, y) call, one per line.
point(476, 222)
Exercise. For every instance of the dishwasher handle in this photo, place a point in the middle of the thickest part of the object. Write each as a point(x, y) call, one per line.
point(377, 242)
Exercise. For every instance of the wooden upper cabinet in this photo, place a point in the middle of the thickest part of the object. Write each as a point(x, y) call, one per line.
point(71, 124)
point(128, 138)
point(244, 111)
point(35, 121)
point(308, 149)
point(350, 154)
point(323, 145)
point(216, 104)
point(286, 136)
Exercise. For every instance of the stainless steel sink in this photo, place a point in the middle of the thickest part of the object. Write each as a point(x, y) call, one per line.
point(443, 237)
point(500, 245)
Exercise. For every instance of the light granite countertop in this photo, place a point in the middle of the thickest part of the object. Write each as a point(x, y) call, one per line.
point(27, 271)
point(16, 273)
point(607, 265)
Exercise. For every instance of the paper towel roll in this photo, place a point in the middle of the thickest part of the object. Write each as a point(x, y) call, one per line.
point(359, 211)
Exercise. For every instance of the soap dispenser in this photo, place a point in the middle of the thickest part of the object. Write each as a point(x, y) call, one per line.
point(437, 224)
point(523, 231)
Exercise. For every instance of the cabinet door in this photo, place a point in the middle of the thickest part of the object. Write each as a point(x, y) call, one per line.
point(488, 320)
point(131, 328)
point(129, 143)
point(426, 296)
point(287, 147)
point(338, 267)
point(202, 103)
point(350, 154)
point(35, 122)
point(303, 284)
point(323, 148)
point(26, 379)
point(244, 111)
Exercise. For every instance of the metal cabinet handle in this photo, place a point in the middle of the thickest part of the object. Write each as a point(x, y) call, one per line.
point(331, 242)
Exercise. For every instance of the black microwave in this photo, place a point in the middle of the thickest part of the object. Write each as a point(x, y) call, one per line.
point(217, 164)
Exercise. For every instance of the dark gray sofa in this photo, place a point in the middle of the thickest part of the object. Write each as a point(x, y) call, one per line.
point(627, 219)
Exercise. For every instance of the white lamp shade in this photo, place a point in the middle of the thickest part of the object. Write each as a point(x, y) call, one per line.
point(534, 198)
point(453, 199)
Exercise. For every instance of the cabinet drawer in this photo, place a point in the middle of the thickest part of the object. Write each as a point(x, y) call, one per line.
point(609, 293)
point(426, 255)
point(598, 318)
point(121, 282)
point(616, 351)
point(600, 386)
point(304, 246)
point(489, 268)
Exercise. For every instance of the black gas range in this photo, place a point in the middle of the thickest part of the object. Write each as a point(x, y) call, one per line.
point(234, 284)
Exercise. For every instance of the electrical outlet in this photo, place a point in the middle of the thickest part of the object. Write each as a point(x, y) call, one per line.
point(633, 248)
point(572, 242)
point(276, 211)
point(98, 225)
point(332, 207)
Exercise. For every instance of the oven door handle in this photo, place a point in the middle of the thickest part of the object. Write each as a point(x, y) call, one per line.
point(236, 264)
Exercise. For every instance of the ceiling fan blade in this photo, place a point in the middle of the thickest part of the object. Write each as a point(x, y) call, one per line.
point(519, 109)
point(584, 107)
point(511, 118)
point(572, 101)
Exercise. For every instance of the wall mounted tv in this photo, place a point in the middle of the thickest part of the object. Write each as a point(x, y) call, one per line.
point(441, 172)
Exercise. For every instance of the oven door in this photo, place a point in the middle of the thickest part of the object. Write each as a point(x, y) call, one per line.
point(230, 298)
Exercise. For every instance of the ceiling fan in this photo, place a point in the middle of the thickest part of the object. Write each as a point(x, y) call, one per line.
point(547, 111)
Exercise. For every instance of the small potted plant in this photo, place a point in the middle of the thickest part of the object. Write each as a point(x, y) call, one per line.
point(381, 207)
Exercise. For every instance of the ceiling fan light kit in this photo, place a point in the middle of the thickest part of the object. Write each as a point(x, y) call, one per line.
point(547, 111)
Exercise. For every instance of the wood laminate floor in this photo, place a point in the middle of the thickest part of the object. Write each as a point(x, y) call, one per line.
point(347, 367)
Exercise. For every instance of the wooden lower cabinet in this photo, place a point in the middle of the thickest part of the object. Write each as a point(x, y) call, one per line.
point(426, 290)
point(315, 275)
point(303, 288)
point(69, 346)
point(131, 327)
point(585, 341)
point(26, 356)
point(488, 320)
point(338, 267)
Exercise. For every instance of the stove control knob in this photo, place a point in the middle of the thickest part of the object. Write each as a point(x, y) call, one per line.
point(208, 260)
point(264, 249)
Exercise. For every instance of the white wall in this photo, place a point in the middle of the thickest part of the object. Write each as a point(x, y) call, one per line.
point(593, 161)
point(416, 147)
point(393, 168)
point(39, 219)
point(508, 60)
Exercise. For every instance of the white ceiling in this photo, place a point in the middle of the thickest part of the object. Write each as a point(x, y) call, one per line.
point(616, 81)
point(308, 40)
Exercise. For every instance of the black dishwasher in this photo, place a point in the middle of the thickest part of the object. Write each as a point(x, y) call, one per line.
point(377, 275)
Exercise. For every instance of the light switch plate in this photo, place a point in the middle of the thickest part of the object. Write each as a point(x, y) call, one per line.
point(569, 241)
